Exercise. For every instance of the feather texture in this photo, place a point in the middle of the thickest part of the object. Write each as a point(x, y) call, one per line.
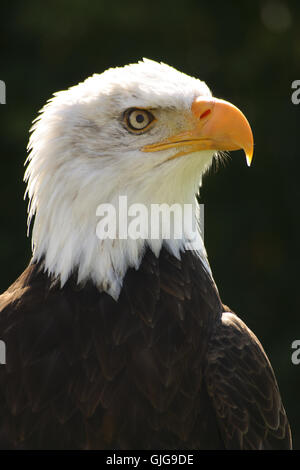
point(161, 368)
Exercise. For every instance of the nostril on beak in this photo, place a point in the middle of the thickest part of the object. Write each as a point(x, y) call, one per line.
point(206, 113)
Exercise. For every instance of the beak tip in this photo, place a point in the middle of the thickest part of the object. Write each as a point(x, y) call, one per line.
point(249, 157)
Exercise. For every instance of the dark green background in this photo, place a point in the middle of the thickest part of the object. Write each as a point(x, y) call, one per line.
point(248, 53)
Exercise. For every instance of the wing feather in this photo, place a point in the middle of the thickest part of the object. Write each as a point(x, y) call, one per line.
point(243, 388)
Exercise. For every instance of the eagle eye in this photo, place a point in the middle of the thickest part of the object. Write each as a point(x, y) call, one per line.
point(138, 120)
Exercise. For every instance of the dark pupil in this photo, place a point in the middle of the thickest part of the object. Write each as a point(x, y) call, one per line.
point(140, 118)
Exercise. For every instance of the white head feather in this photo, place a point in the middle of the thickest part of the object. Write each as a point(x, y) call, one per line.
point(81, 155)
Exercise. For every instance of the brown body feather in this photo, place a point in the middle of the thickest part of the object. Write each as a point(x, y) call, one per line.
point(162, 368)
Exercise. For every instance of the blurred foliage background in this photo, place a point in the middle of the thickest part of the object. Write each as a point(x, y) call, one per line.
point(249, 54)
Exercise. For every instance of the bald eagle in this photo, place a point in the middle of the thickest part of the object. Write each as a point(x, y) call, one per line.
point(124, 343)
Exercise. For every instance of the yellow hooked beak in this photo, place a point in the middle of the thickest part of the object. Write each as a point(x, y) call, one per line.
point(217, 125)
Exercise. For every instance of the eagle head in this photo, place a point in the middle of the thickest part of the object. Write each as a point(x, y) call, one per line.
point(145, 131)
